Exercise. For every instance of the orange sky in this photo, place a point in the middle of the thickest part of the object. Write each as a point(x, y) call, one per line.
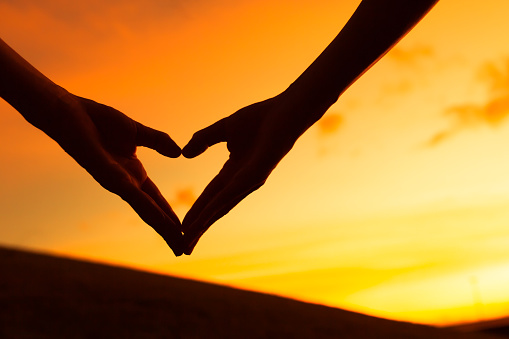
point(395, 204)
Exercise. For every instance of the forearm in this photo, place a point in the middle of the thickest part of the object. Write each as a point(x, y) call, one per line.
point(25, 88)
point(375, 27)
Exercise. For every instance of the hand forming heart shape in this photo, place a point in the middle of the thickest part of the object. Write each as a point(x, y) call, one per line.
point(103, 141)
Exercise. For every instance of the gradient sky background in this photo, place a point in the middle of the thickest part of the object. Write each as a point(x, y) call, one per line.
point(395, 204)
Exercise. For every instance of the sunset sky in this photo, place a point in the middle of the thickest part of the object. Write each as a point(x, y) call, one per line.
point(395, 204)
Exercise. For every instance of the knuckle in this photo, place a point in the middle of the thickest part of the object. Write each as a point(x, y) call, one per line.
point(199, 136)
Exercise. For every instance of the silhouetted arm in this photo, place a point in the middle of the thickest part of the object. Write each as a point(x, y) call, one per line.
point(100, 138)
point(260, 135)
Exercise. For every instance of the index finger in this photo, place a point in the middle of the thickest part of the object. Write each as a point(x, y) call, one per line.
point(217, 200)
point(215, 186)
point(192, 237)
point(151, 189)
point(154, 216)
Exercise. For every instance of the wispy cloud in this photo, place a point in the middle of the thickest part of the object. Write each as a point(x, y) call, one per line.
point(492, 113)
point(412, 55)
point(184, 197)
point(411, 68)
point(102, 16)
point(330, 124)
point(85, 32)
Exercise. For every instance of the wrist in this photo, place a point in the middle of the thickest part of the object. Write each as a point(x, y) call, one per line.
point(25, 88)
point(39, 105)
point(309, 102)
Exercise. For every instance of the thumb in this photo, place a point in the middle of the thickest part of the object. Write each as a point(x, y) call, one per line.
point(156, 140)
point(205, 138)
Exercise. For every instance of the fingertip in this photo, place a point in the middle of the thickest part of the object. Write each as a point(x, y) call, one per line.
point(176, 243)
point(193, 149)
point(178, 252)
point(158, 141)
point(168, 147)
point(174, 152)
point(190, 240)
point(190, 248)
point(205, 138)
point(165, 223)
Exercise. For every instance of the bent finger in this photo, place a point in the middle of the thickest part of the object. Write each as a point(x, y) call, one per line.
point(154, 216)
point(191, 238)
point(219, 205)
point(205, 138)
point(156, 140)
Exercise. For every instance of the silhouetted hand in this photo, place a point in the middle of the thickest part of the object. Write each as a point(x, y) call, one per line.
point(103, 141)
point(100, 138)
point(258, 137)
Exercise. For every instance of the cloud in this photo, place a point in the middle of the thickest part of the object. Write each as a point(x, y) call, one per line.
point(491, 113)
point(411, 66)
point(329, 124)
point(97, 15)
point(84, 26)
point(184, 197)
point(404, 86)
point(106, 17)
point(496, 75)
point(410, 56)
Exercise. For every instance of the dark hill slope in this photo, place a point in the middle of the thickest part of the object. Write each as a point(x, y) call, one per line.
point(51, 297)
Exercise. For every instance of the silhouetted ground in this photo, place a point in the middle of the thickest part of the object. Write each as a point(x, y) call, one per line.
point(493, 326)
point(50, 297)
